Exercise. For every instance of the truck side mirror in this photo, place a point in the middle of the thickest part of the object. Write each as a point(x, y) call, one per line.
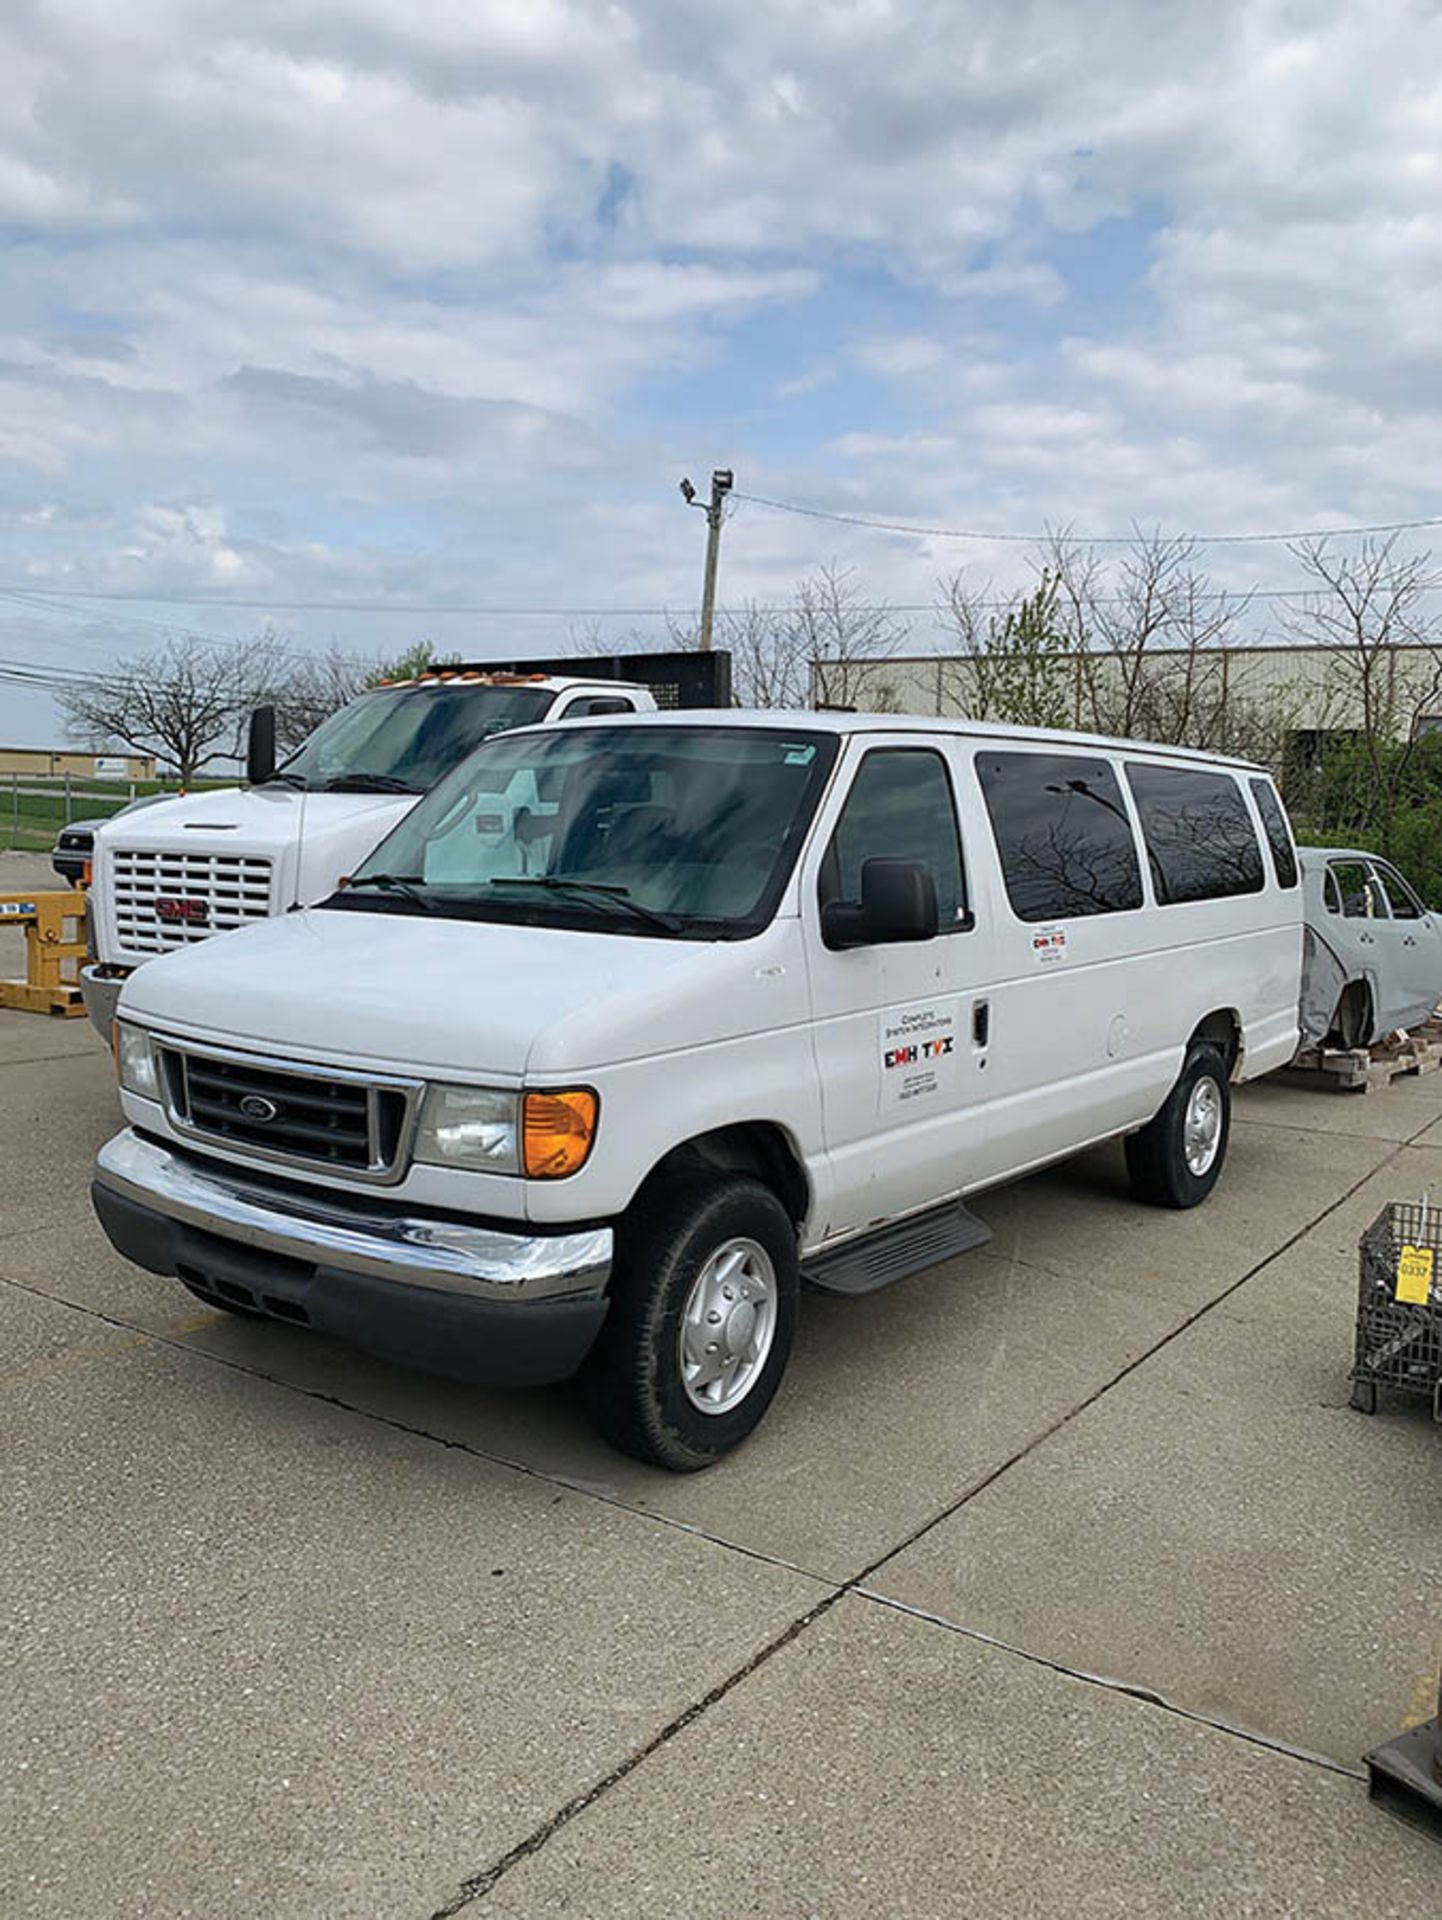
point(898, 902)
point(260, 746)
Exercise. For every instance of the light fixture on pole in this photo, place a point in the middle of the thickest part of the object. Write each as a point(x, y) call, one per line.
point(722, 481)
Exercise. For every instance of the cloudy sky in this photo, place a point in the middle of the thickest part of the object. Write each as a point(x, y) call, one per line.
point(384, 304)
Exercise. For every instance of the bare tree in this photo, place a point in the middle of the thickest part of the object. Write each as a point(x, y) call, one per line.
point(1368, 604)
point(770, 666)
point(186, 703)
point(1149, 639)
point(828, 643)
point(769, 648)
point(312, 690)
point(844, 640)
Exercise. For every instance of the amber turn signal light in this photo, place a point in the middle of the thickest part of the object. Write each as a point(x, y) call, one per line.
point(556, 1132)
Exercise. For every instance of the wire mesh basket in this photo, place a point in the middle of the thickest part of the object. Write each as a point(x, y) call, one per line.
point(1399, 1306)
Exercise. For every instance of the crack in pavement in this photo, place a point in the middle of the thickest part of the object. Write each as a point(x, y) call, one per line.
point(478, 1885)
point(586, 1488)
point(1110, 1684)
point(482, 1883)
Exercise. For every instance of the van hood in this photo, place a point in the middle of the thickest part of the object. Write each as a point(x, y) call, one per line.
point(426, 993)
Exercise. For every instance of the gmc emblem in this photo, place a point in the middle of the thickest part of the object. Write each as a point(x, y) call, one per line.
point(193, 911)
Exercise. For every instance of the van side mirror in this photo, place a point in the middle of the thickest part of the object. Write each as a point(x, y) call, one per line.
point(260, 746)
point(898, 902)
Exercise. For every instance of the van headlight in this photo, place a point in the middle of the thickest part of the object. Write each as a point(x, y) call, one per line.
point(545, 1136)
point(135, 1066)
point(477, 1127)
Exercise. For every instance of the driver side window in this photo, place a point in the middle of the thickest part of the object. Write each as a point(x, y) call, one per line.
point(900, 807)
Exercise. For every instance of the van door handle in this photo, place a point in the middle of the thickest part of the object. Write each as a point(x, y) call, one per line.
point(980, 1023)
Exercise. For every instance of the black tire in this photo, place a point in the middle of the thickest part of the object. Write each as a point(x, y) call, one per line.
point(1157, 1155)
point(634, 1380)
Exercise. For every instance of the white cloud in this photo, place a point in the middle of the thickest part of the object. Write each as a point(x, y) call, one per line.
point(917, 446)
point(386, 300)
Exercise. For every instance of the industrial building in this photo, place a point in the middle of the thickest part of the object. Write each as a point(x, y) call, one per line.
point(54, 762)
point(1299, 694)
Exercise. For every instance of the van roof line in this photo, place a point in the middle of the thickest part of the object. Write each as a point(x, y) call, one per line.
point(782, 720)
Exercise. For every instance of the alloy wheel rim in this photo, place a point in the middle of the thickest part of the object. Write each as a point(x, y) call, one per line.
point(1202, 1129)
point(728, 1325)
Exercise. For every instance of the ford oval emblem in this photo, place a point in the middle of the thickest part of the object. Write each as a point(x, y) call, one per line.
point(255, 1106)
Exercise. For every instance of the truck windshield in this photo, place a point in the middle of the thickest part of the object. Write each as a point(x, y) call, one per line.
point(405, 738)
point(686, 832)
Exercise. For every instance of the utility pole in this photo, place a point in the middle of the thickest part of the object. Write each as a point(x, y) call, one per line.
point(722, 481)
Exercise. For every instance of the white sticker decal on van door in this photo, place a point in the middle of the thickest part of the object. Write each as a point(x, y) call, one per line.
point(918, 1052)
point(1048, 946)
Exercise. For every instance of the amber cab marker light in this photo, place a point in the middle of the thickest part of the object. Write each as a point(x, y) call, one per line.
point(87, 873)
point(557, 1130)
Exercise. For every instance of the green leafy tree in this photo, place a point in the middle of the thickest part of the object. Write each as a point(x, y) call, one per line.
point(1018, 666)
point(419, 659)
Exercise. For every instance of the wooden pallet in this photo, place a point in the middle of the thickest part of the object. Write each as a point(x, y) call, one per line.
point(1369, 1069)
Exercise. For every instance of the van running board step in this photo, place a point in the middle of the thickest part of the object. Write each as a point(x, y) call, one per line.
point(864, 1265)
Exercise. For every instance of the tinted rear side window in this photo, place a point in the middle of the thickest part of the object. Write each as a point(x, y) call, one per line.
point(1062, 833)
point(1198, 832)
point(1284, 858)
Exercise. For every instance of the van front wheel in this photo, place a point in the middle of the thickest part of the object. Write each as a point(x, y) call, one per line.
point(1175, 1160)
point(703, 1311)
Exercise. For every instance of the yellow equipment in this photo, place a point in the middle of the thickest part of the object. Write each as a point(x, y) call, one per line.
point(52, 961)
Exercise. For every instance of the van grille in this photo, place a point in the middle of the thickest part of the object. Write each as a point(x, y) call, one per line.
point(168, 900)
point(344, 1123)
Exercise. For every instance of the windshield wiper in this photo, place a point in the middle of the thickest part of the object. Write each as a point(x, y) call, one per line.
point(369, 783)
point(598, 890)
point(283, 779)
point(402, 883)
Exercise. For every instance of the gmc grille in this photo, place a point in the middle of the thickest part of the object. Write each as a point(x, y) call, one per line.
point(169, 900)
point(341, 1122)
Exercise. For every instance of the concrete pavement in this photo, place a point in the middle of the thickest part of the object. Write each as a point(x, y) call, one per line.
point(1060, 1580)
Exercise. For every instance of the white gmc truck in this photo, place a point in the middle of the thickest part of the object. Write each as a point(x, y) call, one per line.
point(169, 876)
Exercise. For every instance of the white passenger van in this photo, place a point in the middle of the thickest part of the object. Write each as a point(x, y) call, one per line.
point(728, 1000)
point(181, 872)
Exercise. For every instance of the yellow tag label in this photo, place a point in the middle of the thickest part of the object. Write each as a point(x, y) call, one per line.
point(1414, 1275)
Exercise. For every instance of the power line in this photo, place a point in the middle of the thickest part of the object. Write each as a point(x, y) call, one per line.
point(1071, 539)
point(408, 608)
point(54, 605)
point(48, 601)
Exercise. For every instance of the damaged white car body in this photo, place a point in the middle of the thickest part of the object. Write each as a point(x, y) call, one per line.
point(1372, 952)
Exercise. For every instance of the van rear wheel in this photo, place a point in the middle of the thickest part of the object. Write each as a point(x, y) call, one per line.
point(1176, 1159)
point(703, 1311)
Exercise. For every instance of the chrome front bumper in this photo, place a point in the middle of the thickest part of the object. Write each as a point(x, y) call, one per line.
point(351, 1233)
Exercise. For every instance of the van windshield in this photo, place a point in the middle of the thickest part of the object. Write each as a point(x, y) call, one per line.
point(685, 832)
point(403, 739)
